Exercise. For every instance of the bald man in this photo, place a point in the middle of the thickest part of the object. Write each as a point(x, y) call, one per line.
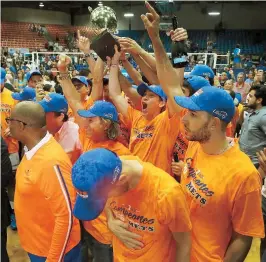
point(44, 194)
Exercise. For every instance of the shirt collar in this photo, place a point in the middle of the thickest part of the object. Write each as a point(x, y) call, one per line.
point(30, 153)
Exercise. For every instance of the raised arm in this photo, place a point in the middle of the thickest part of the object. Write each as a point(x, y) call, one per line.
point(130, 46)
point(114, 85)
point(97, 90)
point(169, 78)
point(70, 92)
point(133, 73)
point(129, 91)
point(84, 45)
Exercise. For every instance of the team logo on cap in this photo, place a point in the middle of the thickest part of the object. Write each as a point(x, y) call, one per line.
point(116, 175)
point(219, 113)
point(108, 115)
point(207, 74)
point(200, 91)
point(47, 98)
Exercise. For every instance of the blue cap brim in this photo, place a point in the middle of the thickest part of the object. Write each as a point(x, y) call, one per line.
point(76, 78)
point(88, 208)
point(142, 88)
point(44, 106)
point(86, 113)
point(186, 102)
point(16, 96)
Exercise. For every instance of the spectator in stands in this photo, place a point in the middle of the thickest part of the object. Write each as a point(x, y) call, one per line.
point(253, 132)
point(57, 37)
point(259, 78)
point(48, 89)
point(228, 85)
point(21, 82)
point(237, 58)
point(250, 78)
point(223, 78)
point(241, 87)
point(33, 77)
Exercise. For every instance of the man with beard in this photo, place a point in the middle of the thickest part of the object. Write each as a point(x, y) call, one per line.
point(253, 132)
point(222, 186)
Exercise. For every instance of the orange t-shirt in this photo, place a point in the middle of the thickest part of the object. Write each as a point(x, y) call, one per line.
point(153, 141)
point(223, 193)
point(154, 209)
point(7, 104)
point(98, 227)
point(86, 104)
point(231, 128)
point(44, 198)
point(181, 143)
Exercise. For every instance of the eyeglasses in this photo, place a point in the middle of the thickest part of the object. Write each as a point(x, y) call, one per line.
point(9, 119)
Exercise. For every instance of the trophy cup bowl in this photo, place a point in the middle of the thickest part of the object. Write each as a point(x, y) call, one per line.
point(103, 19)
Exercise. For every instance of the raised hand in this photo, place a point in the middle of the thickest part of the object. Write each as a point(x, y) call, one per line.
point(179, 34)
point(63, 63)
point(83, 43)
point(115, 59)
point(130, 46)
point(151, 21)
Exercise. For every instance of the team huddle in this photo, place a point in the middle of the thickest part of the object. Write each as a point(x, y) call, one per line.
point(141, 172)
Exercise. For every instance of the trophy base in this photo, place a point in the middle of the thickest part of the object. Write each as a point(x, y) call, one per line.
point(103, 45)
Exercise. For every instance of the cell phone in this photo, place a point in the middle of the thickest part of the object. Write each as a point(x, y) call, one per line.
point(176, 159)
point(174, 22)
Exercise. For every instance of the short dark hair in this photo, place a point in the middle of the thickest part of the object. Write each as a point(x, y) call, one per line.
point(47, 87)
point(84, 72)
point(187, 85)
point(211, 80)
point(57, 114)
point(232, 94)
point(260, 92)
point(238, 45)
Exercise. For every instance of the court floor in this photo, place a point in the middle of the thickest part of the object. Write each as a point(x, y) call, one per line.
point(17, 254)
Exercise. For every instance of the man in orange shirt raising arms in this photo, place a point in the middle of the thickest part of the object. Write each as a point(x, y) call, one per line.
point(151, 127)
point(44, 194)
point(148, 201)
point(221, 184)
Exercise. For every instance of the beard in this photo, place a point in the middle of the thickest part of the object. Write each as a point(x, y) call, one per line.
point(202, 136)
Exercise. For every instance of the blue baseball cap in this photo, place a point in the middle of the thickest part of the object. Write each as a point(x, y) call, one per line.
point(81, 79)
point(3, 75)
point(202, 70)
point(27, 94)
point(32, 73)
point(93, 174)
point(196, 82)
point(215, 101)
point(54, 102)
point(102, 109)
point(142, 88)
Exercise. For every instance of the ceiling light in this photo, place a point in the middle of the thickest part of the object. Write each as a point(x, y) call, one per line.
point(214, 13)
point(41, 5)
point(100, 4)
point(128, 15)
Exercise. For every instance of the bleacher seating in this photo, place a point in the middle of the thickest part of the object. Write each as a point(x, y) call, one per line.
point(18, 35)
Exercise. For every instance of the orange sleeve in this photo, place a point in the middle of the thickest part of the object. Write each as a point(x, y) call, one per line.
point(173, 210)
point(131, 114)
point(53, 185)
point(247, 216)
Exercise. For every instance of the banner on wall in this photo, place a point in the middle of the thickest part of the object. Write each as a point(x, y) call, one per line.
point(18, 50)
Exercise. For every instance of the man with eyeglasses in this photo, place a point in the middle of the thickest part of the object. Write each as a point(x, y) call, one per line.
point(44, 194)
